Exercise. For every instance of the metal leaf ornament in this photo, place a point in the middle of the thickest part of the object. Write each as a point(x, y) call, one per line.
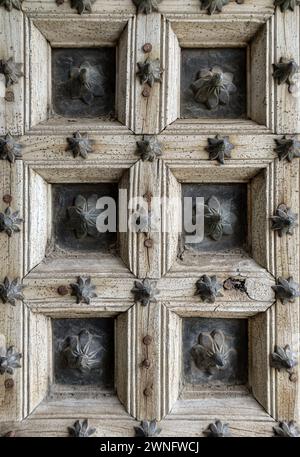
point(9, 149)
point(287, 148)
point(9, 221)
point(82, 6)
point(213, 87)
point(149, 148)
point(287, 430)
point(149, 71)
point(219, 148)
point(9, 360)
point(145, 291)
point(146, 6)
point(83, 216)
point(84, 290)
point(81, 429)
point(217, 220)
point(10, 4)
point(283, 358)
point(147, 429)
point(286, 290)
point(211, 352)
point(10, 292)
point(83, 351)
point(284, 73)
point(86, 82)
point(217, 430)
point(11, 70)
point(284, 221)
point(80, 145)
point(287, 4)
point(208, 288)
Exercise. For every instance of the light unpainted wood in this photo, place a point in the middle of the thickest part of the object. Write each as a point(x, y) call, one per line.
point(11, 265)
point(12, 45)
point(181, 7)
point(155, 179)
point(37, 7)
point(287, 45)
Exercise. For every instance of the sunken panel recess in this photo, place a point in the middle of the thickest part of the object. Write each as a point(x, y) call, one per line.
point(83, 82)
point(196, 101)
point(75, 215)
point(215, 351)
point(228, 229)
point(84, 351)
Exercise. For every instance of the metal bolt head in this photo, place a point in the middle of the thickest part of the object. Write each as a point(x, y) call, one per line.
point(146, 92)
point(147, 47)
point(9, 96)
point(293, 377)
point(148, 243)
point(148, 197)
point(60, 2)
point(147, 340)
point(148, 392)
point(7, 199)
point(146, 363)
point(63, 290)
point(9, 383)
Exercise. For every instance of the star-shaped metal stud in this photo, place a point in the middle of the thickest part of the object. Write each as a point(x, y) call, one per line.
point(9, 149)
point(284, 72)
point(80, 145)
point(10, 4)
point(82, 6)
point(284, 221)
point(149, 148)
point(286, 4)
point(287, 148)
point(219, 148)
point(286, 290)
point(10, 221)
point(11, 70)
point(149, 71)
point(10, 292)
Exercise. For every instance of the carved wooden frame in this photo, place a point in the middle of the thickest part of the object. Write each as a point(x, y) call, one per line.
point(185, 160)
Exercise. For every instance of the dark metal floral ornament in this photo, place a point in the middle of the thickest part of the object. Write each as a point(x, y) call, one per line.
point(208, 288)
point(213, 87)
point(10, 292)
point(211, 352)
point(213, 6)
point(286, 290)
point(83, 290)
point(217, 430)
point(83, 216)
point(145, 291)
point(287, 4)
point(287, 148)
point(9, 222)
point(9, 149)
point(81, 429)
point(284, 221)
point(147, 429)
point(10, 4)
point(82, 352)
point(86, 82)
point(216, 220)
point(283, 358)
point(146, 6)
point(149, 148)
point(149, 72)
point(80, 145)
point(287, 430)
point(9, 360)
point(219, 148)
point(284, 73)
point(82, 6)
point(11, 70)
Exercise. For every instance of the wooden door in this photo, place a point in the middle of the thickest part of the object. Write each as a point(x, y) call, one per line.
point(161, 100)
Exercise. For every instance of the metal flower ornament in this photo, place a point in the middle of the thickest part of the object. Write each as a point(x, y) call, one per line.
point(286, 5)
point(287, 148)
point(86, 83)
point(284, 73)
point(284, 221)
point(283, 358)
point(147, 429)
point(219, 148)
point(211, 353)
point(82, 6)
point(81, 429)
point(10, 4)
point(83, 216)
point(83, 351)
point(149, 72)
point(286, 290)
point(208, 288)
point(11, 70)
point(80, 145)
point(213, 87)
point(149, 148)
point(217, 430)
point(217, 220)
point(9, 360)
point(146, 6)
point(10, 292)
point(287, 430)
point(9, 149)
point(10, 221)
point(145, 291)
point(83, 290)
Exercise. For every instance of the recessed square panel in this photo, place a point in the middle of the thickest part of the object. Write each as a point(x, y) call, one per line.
point(213, 83)
point(225, 216)
point(84, 351)
point(76, 217)
point(83, 82)
point(215, 351)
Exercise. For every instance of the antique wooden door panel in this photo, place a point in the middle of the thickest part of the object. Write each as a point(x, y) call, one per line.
point(149, 104)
